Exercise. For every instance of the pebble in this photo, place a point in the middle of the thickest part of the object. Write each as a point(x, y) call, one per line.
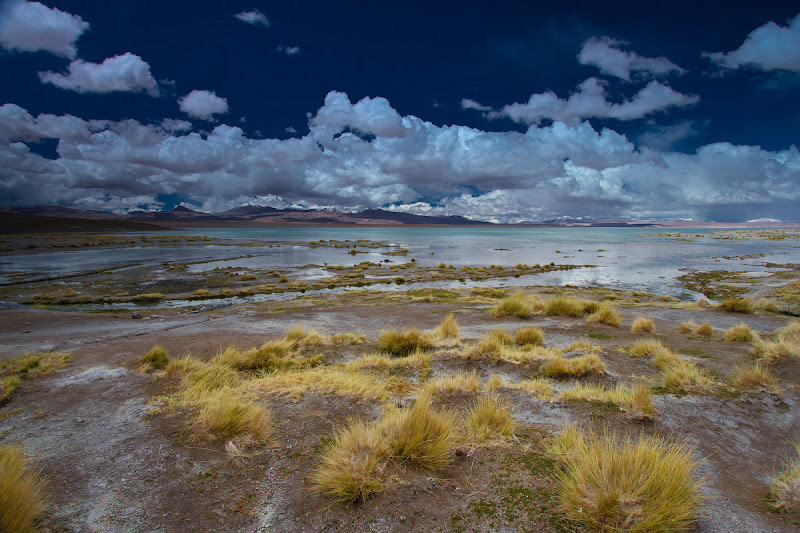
point(79, 420)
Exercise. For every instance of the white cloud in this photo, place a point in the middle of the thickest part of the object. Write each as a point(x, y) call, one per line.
point(123, 73)
point(173, 125)
point(288, 50)
point(467, 103)
point(203, 104)
point(768, 47)
point(591, 100)
point(31, 27)
point(664, 137)
point(253, 17)
point(604, 53)
point(543, 173)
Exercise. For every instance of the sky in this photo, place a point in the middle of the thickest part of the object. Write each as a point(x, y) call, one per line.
point(503, 111)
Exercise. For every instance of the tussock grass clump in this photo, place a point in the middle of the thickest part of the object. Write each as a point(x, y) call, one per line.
point(226, 414)
point(790, 332)
point(418, 360)
point(516, 304)
point(772, 350)
point(705, 330)
point(529, 336)
point(753, 375)
point(448, 328)
point(736, 305)
point(560, 367)
point(642, 324)
point(605, 314)
point(148, 297)
point(349, 466)
point(540, 387)
point(688, 327)
point(568, 306)
point(403, 342)
point(739, 333)
point(635, 400)
point(22, 492)
point(611, 483)
point(489, 418)
point(269, 356)
point(421, 435)
point(28, 366)
point(155, 358)
point(784, 494)
point(490, 346)
point(299, 336)
point(647, 348)
point(679, 374)
point(460, 381)
point(325, 380)
point(348, 338)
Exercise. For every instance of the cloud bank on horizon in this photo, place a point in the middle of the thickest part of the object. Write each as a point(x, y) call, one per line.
point(367, 154)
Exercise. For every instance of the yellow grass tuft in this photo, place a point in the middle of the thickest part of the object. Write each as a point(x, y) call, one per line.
point(516, 304)
point(348, 338)
point(22, 492)
point(460, 381)
point(753, 375)
point(271, 355)
point(611, 483)
point(540, 387)
point(420, 435)
point(403, 342)
point(736, 305)
point(772, 350)
point(688, 327)
point(148, 297)
point(642, 324)
point(418, 360)
point(635, 400)
point(605, 314)
point(349, 467)
point(560, 367)
point(225, 414)
point(489, 419)
point(528, 336)
point(567, 306)
point(155, 358)
point(681, 375)
point(705, 329)
point(784, 494)
point(448, 328)
point(739, 333)
point(298, 335)
point(646, 348)
point(28, 366)
point(790, 332)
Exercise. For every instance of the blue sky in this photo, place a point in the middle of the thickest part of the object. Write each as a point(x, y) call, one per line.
point(497, 112)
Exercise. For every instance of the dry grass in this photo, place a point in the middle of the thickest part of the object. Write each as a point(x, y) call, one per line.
point(790, 332)
point(772, 350)
point(348, 338)
point(28, 366)
point(752, 376)
point(155, 358)
point(647, 348)
point(22, 492)
point(568, 306)
point(784, 494)
point(448, 328)
point(225, 414)
point(560, 367)
point(148, 297)
point(270, 356)
point(419, 361)
point(489, 419)
point(681, 375)
point(688, 327)
point(605, 314)
point(403, 342)
point(736, 305)
point(516, 304)
point(635, 400)
point(420, 435)
point(529, 336)
point(705, 330)
point(642, 324)
point(461, 381)
point(739, 333)
point(299, 336)
point(350, 465)
point(540, 387)
point(324, 380)
point(611, 483)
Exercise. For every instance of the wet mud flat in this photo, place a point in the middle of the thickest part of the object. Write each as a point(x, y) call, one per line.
point(120, 452)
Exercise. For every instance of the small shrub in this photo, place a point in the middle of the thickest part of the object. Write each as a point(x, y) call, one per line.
point(740, 333)
point(403, 342)
point(705, 329)
point(489, 418)
point(155, 358)
point(529, 336)
point(22, 492)
point(736, 305)
point(559, 367)
point(642, 324)
point(448, 328)
point(605, 314)
point(753, 375)
point(784, 495)
point(517, 304)
point(611, 483)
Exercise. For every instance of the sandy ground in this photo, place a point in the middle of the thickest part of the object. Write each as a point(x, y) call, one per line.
point(113, 466)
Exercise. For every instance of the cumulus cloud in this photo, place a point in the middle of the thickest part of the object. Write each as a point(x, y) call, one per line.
point(768, 47)
point(591, 100)
point(123, 73)
point(605, 54)
point(412, 164)
point(33, 27)
point(253, 17)
point(203, 104)
point(288, 50)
